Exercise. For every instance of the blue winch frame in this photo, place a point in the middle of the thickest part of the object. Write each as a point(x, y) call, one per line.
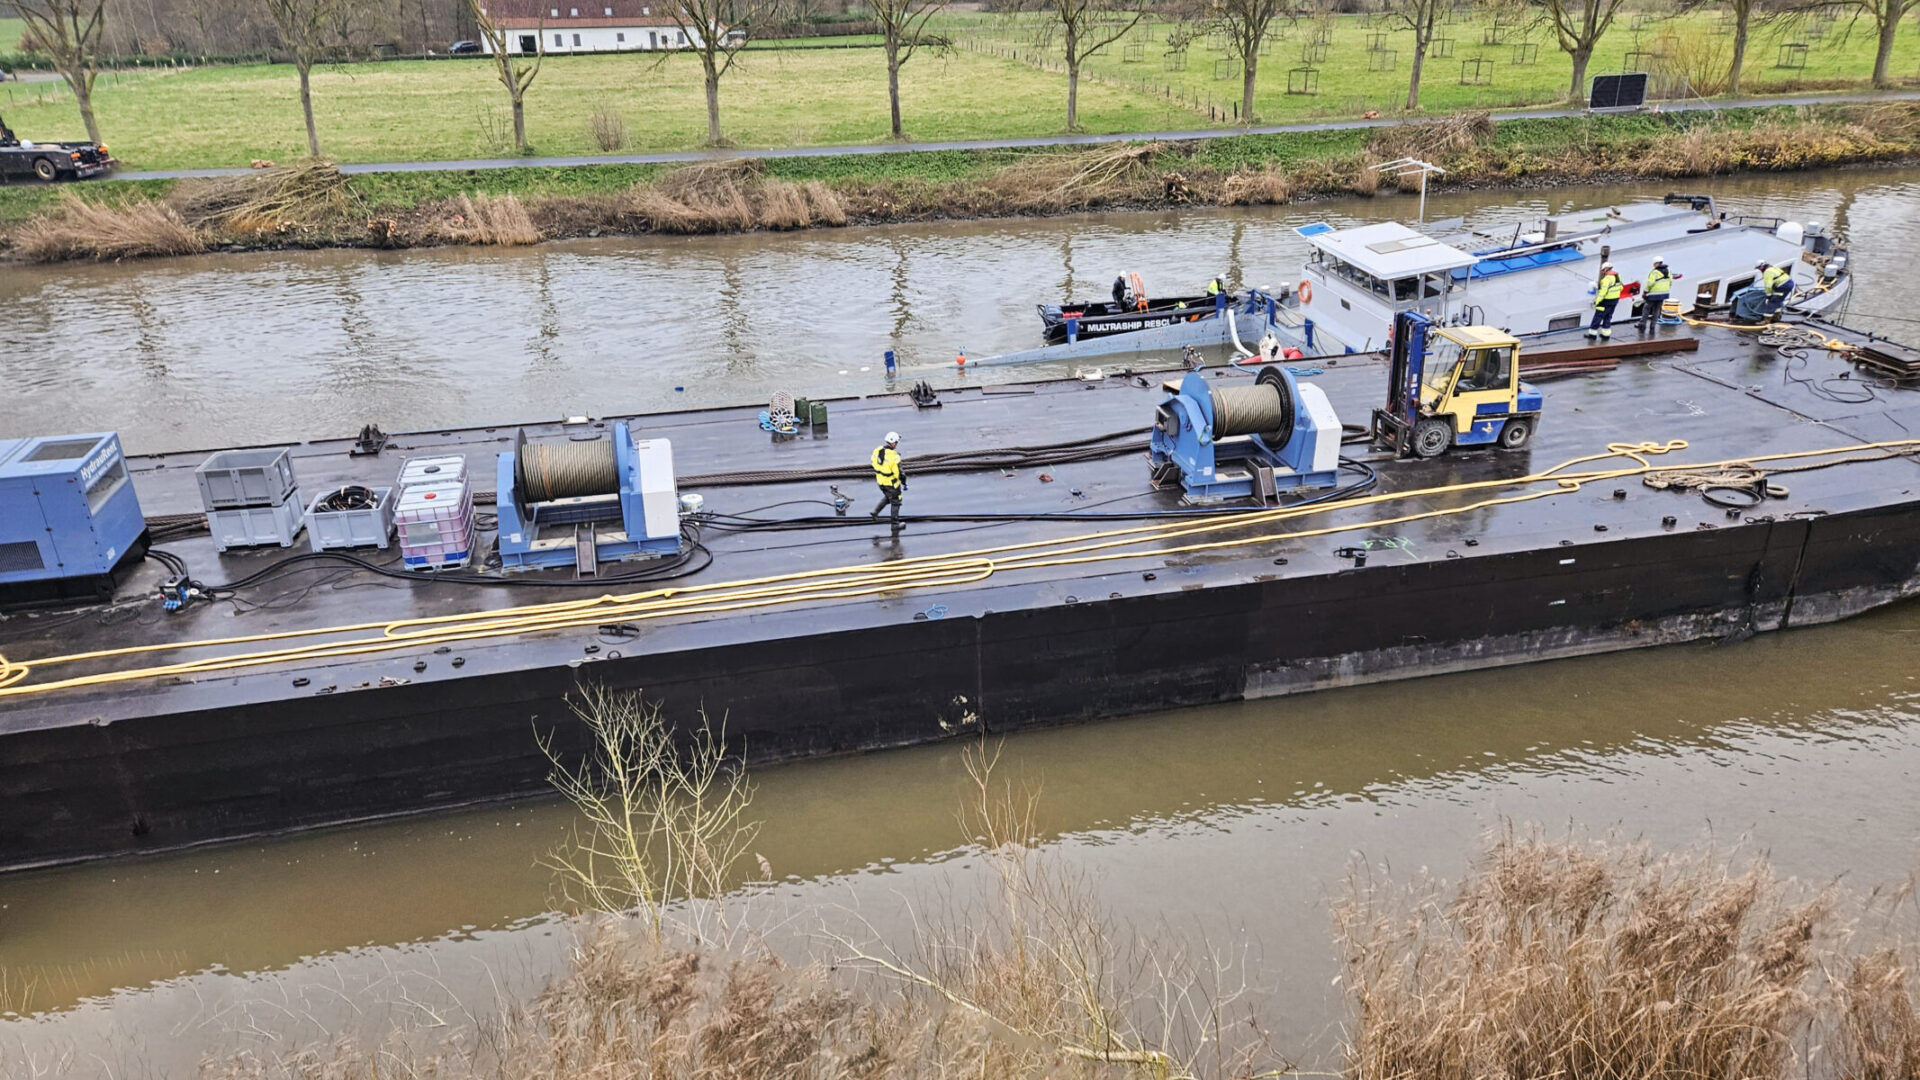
point(520, 523)
point(1202, 458)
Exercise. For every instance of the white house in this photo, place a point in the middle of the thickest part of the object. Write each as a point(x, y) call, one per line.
point(570, 26)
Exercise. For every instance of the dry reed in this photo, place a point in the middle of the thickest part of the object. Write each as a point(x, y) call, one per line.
point(1079, 179)
point(496, 220)
point(131, 228)
point(1579, 961)
point(1268, 185)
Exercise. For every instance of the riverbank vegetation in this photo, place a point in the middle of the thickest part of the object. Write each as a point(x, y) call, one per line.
point(1576, 957)
point(317, 206)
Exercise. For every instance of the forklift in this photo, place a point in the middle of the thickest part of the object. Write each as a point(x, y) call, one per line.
point(1454, 386)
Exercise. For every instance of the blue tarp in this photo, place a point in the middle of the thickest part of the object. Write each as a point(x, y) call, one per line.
point(1487, 268)
point(1314, 229)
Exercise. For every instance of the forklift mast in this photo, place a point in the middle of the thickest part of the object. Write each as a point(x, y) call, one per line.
point(1409, 365)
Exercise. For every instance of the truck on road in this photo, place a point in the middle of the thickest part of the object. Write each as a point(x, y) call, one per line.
point(23, 159)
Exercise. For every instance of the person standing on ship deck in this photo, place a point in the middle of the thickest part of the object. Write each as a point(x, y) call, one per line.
point(1606, 297)
point(1653, 302)
point(891, 479)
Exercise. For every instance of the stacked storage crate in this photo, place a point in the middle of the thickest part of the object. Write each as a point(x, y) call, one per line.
point(435, 513)
point(251, 497)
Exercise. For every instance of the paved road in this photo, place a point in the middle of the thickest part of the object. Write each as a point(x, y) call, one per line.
point(996, 144)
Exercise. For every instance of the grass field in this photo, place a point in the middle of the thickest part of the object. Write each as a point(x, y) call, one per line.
point(1347, 85)
point(422, 110)
point(10, 31)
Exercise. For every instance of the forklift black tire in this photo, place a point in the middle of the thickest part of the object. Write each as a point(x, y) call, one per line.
point(45, 170)
point(1432, 437)
point(1515, 434)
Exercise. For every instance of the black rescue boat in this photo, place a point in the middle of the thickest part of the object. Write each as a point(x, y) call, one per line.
point(1129, 310)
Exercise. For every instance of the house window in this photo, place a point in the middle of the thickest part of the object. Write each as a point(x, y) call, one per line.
point(573, 13)
point(576, 41)
point(529, 43)
point(620, 38)
point(683, 37)
point(653, 40)
point(609, 12)
point(556, 12)
point(557, 42)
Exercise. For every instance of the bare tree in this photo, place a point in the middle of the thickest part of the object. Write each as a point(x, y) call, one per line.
point(515, 75)
point(69, 31)
point(1245, 24)
point(1885, 16)
point(1084, 29)
point(903, 25)
point(1580, 24)
point(301, 26)
point(1423, 18)
point(716, 30)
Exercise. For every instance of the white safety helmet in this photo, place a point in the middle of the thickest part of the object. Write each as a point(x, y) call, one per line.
point(1604, 267)
point(1762, 265)
point(892, 437)
point(1659, 260)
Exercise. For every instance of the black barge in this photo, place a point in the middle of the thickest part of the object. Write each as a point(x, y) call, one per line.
point(1018, 595)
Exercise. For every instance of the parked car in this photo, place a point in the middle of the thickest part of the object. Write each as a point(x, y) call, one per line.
point(23, 158)
point(463, 48)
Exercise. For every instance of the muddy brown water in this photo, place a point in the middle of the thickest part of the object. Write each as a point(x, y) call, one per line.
point(1231, 824)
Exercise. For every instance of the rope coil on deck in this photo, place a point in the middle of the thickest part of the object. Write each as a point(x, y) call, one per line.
point(882, 579)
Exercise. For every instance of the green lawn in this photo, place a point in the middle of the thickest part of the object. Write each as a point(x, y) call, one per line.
point(1349, 85)
point(415, 110)
point(10, 31)
point(425, 110)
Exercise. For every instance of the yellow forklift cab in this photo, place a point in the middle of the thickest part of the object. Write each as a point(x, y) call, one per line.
point(1454, 386)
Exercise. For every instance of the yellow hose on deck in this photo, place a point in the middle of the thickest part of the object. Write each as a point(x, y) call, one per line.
point(856, 581)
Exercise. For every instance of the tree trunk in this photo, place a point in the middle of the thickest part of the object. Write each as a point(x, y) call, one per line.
point(1413, 83)
point(306, 107)
point(520, 123)
point(1246, 84)
point(893, 87)
point(1073, 77)
point(1889, 27)
point(1742, 18)
point(1577, 90)
point(713, 106)
point(83, 97)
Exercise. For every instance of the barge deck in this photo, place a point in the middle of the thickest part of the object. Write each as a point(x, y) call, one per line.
point(322, 694)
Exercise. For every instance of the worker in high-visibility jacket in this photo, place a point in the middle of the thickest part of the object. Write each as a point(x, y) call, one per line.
point(1215, 287)
point(893, 482)
point(1606, 297)
point(1654, 294)
point(1778, 283)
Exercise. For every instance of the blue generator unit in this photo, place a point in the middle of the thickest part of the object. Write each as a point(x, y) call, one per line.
point(70, 522)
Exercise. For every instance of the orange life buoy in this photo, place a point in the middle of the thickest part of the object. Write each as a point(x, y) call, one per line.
point(1306, 291)
point(1292, 353)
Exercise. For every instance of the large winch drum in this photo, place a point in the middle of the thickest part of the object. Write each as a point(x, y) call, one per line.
point(1264, 409)
point(545, 471)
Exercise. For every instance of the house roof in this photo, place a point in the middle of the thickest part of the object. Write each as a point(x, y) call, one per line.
point(560, 14)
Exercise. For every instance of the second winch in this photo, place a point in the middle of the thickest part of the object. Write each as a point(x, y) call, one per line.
point(1241, 442)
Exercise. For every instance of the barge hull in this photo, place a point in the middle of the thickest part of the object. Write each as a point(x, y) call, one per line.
point(169, 780)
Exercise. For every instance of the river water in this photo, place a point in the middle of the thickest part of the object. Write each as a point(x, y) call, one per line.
point(1233, 824)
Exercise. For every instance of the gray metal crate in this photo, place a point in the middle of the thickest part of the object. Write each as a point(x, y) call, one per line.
point(236, 478)
point(257, 526)
point(372, 527)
